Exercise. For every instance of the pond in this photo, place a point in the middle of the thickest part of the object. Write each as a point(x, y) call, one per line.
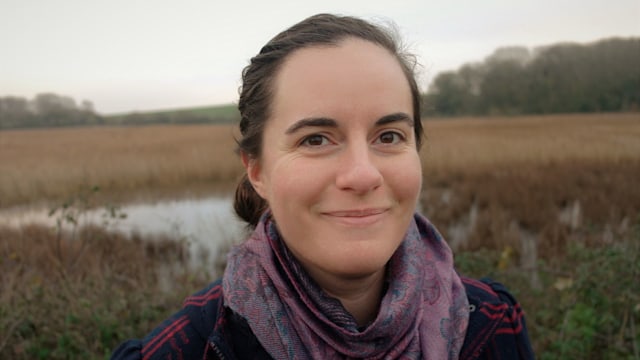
point(204, 224)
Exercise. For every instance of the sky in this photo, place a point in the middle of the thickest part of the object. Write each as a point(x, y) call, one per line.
point(140, 55)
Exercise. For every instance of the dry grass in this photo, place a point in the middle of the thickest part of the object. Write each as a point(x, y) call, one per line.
point(65, 297)
point(53, 163)
point(529, 171)
point(480, 144)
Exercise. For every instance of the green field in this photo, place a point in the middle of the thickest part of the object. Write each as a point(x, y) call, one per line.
point(217, 114)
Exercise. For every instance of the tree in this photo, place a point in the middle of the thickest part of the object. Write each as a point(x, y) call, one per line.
point(603, 76)
point(45, 110)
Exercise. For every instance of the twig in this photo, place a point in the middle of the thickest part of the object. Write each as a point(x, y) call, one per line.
point(636, 353)
point(565, 321)
point(12, 327)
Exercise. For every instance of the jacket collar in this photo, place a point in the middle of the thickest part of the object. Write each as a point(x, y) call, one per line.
point(487, 312)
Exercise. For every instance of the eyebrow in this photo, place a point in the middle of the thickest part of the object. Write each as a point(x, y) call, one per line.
point(328, 122)
point(311, 122)
point(395, 117)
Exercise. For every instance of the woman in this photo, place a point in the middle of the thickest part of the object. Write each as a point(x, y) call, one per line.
point(338, 265)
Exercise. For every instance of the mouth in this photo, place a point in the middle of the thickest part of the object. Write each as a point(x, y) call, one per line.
point(357, 217)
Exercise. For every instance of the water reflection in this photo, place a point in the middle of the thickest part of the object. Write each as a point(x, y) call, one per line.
point(204, 224)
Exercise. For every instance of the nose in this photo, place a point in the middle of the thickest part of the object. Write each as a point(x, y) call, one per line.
point(357, 172)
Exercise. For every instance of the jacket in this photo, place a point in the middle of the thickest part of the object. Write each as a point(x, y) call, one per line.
point(205, 329)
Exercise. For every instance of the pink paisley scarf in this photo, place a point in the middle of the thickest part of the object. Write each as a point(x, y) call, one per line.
point(423, 314)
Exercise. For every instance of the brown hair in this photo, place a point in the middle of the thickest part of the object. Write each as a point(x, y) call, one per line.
point(257, 87)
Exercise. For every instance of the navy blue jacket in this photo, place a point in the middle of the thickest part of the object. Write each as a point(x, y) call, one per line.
point(205, 329)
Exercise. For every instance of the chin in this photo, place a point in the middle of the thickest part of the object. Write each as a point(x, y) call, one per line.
point(354, 268)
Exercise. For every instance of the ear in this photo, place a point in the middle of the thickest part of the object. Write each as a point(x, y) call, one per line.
point(254, 173)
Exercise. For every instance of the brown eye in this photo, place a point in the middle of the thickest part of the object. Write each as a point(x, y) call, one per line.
point(389, 137)
point(314, 140)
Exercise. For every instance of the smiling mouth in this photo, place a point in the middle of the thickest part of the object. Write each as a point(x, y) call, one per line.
point(357, 217)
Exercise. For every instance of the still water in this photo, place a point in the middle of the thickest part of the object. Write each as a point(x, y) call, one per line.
point(204, 224)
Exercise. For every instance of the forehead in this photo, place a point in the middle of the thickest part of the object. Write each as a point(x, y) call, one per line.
point(354, 73)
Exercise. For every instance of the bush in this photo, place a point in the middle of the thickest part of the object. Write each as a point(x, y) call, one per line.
point(588, 306)
point(53, 308)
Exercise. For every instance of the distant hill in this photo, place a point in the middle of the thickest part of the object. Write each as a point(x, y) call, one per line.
point(218, 114)
point(48, 110)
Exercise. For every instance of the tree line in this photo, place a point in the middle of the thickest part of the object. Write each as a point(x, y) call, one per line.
point(53, 110)
point(564, 78)
point(46, 110)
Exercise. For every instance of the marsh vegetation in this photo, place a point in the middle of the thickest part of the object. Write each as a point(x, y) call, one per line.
point(549, 205)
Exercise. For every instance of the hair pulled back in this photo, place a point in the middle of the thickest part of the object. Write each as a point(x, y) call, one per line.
point(256, 93)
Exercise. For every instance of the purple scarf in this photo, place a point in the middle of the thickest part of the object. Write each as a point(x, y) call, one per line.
point(423, 313)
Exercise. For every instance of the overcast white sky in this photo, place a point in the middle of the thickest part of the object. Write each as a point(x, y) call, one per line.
point(126, 55)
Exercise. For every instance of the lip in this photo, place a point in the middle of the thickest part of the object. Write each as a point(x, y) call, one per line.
point(357, 217)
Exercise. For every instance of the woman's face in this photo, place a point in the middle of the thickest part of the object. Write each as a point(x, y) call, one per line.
point(339, 165)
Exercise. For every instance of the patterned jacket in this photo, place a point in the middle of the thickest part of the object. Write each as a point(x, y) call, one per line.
point(205, 329)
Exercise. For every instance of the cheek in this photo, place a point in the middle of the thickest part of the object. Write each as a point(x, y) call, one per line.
point(295, 181)
point(405, 177)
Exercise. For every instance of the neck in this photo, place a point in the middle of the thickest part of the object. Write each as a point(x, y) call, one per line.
point(360, 295)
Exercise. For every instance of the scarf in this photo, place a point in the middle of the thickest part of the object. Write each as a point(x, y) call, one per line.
point(423, 313)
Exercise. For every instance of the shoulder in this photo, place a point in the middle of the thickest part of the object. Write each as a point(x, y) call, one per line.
point(497, 327)
point(204, 307)
point(184, 333)
point(487, 290)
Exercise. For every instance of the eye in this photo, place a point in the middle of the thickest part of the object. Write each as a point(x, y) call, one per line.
point(314, 140)
point(390, 137)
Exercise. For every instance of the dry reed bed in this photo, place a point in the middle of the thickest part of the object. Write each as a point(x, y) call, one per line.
point(64, 296)
point(529, 172)
point(551, 202)
point(487, 144)
point(53, 163)
point(521, 191)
